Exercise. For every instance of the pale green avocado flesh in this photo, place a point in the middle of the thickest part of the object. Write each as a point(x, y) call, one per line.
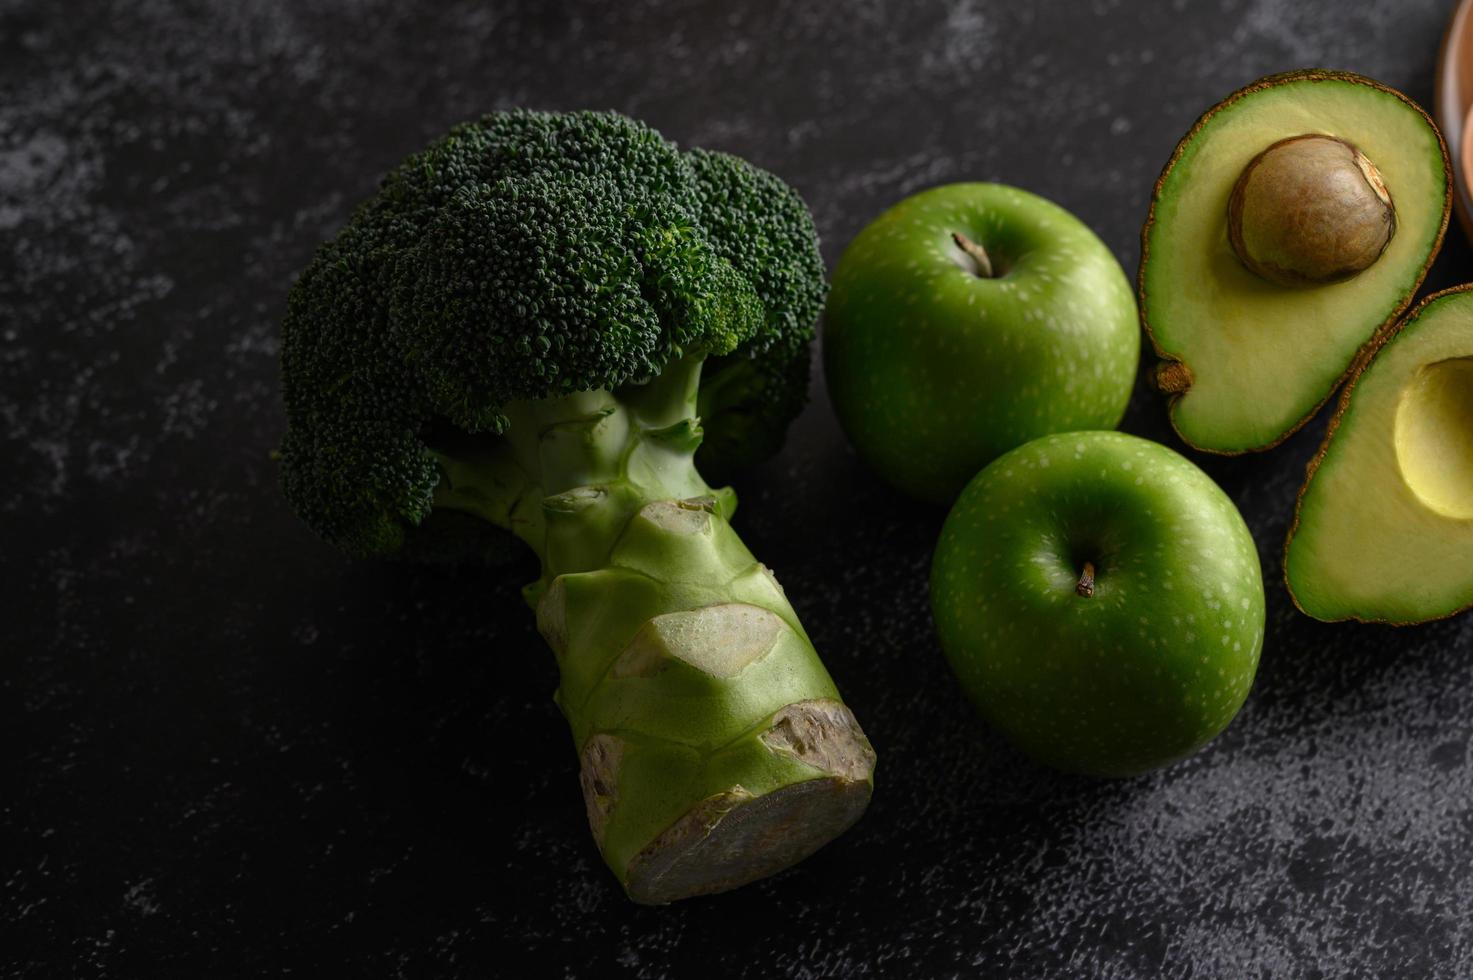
point(1262, 357)
point(1385, 526)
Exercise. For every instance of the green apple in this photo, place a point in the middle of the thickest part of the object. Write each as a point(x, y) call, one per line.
point(967, 320)
point(1101, 601)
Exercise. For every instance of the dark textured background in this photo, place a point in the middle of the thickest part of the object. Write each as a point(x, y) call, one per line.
point(228, 751)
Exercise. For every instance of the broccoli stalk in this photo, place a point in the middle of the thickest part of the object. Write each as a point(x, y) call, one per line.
point(513, 331)
point(690, 687)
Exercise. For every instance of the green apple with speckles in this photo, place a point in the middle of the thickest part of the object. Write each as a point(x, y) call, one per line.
point(1101, 601)
point(967, 320)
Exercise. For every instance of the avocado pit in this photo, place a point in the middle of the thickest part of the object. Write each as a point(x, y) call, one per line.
point(1310, 210)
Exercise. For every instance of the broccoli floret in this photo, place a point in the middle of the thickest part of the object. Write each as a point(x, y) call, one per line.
point(533, 326)
point(761, 226)
point(531, 254)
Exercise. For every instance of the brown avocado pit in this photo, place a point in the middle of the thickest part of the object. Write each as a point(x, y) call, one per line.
point(1310, 210)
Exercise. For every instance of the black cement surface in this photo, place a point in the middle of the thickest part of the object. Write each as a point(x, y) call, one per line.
point(228, 751)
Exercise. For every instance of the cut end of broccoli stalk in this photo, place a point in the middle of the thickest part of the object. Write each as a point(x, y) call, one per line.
point(714, 747)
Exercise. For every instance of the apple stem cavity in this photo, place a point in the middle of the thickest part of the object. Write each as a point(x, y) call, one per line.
point(976, 253)
point(1086, 586)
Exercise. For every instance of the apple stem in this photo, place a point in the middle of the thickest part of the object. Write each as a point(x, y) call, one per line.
point(975, 252)
point(1086, 586)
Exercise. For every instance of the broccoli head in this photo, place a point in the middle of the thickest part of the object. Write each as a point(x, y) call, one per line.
point(528, 255)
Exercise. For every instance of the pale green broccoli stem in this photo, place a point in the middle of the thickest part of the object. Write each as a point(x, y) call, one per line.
point(715, 749)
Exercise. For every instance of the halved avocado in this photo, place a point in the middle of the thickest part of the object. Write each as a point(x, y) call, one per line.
point(1384, 526)
point(1247, 359)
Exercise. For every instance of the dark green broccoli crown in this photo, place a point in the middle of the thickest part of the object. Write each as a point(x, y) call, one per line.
point(526, 255)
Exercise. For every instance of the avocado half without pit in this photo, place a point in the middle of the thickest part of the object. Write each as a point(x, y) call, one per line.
point(1384, 527)
point(1292, 225)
